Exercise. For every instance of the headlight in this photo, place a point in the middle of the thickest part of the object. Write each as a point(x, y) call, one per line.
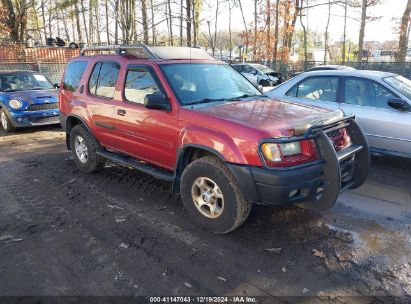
point(15, 104)
point(291, 148)
point(273, 152)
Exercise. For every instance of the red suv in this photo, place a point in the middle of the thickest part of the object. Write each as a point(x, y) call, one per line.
point(180, 115)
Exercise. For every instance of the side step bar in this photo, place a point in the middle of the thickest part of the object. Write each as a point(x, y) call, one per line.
point(141, 166)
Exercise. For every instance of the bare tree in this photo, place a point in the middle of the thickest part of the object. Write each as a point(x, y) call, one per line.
point(344, 48)
point(116, 23)
point(43, 16)
point(231, 5)
point(16, 20)
point(255, 30)
point(188, 22)
point(77, 14)
point(404, 30)
point(326, 32)
point(144, 19)
point(197, 5)
point(268, 24)
point(171, 22)
point(153, 27)
point(245, 27)
point(304, 32)
point(107, 21)
point(364, 5)
point(216, 21)
point(181, 21)
point(276, 30)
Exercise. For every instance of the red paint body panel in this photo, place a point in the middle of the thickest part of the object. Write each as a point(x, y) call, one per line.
point(233, 129)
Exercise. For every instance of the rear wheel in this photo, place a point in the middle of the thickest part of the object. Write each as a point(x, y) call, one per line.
point(5, 122)
point(84, 148)
point(212, 197)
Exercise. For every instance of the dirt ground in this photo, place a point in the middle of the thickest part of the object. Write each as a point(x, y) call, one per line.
point(120, 232)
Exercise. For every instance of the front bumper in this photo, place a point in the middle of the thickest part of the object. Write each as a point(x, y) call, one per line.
point(278, 187)
point(315, 185)
point(34, 118)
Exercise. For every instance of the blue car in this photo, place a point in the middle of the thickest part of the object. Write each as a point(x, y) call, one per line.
point(27, 98)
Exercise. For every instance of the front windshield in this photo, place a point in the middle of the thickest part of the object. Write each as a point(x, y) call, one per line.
point(401, 84)
point(23, 81)
point(204, 82)
point(262, 68)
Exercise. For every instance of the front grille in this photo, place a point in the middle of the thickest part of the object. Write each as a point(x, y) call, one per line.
point(40, 120)
point(43, 106)
point(333, 134)
point(337, 138)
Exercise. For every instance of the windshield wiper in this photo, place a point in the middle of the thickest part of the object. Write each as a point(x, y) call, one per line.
point(38, 89)
point(205, 100)
point(25, 89)
point(247, 96)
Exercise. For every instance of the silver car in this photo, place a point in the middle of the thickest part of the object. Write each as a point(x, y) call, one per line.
point(258, 74)
point(380, 101)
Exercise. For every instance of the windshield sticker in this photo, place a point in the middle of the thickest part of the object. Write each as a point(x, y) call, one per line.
point(40, 77)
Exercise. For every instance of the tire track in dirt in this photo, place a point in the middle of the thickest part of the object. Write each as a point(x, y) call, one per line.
point(246, 260)
point(66, 214)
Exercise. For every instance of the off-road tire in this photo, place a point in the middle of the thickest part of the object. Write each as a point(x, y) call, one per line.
point(236, 209)
point(9, 127)
point(94, 162)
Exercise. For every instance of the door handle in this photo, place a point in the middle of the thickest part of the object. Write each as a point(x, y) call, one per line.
point(121, 112)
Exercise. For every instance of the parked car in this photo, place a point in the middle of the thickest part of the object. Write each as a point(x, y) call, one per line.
point(330, 67)
point(380, 101)
point(183, 116)
point(27, 98)
point(259, 74)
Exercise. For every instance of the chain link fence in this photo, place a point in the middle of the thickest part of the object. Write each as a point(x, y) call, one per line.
point(289, 69)
point(51, 62)
point(52, 71)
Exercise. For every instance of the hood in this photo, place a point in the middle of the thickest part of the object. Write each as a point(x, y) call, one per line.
point(277, 118)
point(35, 96)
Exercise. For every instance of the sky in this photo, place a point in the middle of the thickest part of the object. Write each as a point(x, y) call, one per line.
point(381, 30)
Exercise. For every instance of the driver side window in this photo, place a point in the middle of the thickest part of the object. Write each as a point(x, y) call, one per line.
point(316, 88)
point(248, 69)
point(366, 92)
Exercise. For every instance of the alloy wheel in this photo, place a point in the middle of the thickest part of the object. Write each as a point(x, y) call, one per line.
point(207, 197)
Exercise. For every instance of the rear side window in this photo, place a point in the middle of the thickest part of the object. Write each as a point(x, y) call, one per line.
point(238, 67)
point(139, 83)
point(103, 79)
point(73, 75)
point(316, 88)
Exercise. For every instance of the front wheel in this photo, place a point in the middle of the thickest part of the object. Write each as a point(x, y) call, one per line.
point(5, 122)
point(212, 197)
point(84, 148)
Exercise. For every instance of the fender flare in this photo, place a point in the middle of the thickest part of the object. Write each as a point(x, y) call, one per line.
point(180, 160)
point(64, 121)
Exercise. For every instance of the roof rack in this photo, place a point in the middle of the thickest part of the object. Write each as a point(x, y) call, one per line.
point(137, 50)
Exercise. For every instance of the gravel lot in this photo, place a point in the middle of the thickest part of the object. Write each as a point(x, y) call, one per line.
point(120, 232)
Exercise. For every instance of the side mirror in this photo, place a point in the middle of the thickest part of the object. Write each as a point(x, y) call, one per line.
point(56, 86)
point(157, 102)
point(398, 104)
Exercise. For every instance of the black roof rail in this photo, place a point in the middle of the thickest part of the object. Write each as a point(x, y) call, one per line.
point(138, 50)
